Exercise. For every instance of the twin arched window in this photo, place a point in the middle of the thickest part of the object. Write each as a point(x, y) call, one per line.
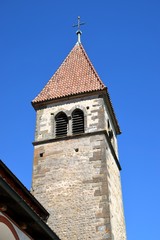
point(76, 124)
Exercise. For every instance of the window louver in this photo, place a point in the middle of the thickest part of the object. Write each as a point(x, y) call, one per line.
point(77, 121)
point(61, 124)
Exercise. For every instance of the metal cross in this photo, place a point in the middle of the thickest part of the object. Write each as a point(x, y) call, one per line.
point(79, 24)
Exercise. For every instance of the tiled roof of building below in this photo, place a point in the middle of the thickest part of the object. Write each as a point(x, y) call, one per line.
point(76, 75)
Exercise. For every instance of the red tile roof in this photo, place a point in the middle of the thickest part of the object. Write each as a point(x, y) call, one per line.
point(75, 75)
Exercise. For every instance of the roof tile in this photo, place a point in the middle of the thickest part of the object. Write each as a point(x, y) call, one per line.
point(75, 75)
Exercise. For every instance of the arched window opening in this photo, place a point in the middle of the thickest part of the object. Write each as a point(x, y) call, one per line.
point(61, 124)
point(77, 121)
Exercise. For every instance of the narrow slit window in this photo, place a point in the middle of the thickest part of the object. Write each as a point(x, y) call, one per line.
point(61, 124)
point(77, 121)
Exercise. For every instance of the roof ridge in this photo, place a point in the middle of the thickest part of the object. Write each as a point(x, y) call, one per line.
point(75, 75)
point(90, 63)
point(63, 62)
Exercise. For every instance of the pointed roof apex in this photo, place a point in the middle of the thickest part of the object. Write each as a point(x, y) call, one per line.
point(76, 75)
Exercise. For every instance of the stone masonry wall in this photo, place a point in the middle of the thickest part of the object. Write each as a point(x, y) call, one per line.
point(115, 198)
point(70, 181)
point(77, 179)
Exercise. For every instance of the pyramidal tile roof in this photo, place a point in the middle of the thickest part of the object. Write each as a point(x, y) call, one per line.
point(76, 75)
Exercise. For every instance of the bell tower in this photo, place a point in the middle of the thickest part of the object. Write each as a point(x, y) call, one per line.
point(76, 169)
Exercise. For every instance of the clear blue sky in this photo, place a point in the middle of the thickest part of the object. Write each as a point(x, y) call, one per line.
point(122, 39)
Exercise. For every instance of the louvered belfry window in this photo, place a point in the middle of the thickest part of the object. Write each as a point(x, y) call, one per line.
point(61, 124)
point(77, 121)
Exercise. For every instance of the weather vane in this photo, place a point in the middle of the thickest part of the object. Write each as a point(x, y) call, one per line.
point(79, 31)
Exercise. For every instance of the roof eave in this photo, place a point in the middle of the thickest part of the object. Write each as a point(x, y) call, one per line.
point(29, 216)
point(37, 105)
point(15, 184)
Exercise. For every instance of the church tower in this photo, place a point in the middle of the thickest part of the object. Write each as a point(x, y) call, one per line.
point(76, 170)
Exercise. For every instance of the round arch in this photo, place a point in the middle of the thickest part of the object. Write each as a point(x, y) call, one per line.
point(7, 230)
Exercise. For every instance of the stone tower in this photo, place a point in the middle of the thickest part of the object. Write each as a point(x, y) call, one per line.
point(76, 170)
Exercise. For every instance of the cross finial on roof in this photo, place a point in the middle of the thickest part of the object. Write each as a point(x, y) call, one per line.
point(79, 31)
